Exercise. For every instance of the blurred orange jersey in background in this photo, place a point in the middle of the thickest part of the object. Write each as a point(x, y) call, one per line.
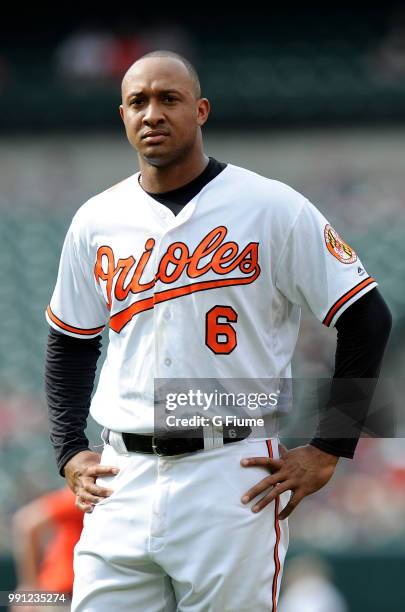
point(56, 569)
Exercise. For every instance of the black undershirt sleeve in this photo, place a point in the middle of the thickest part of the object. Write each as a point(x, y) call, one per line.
point(362, 335)
point(70, 369)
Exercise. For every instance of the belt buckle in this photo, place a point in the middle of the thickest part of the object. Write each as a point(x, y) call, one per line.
point(155, 447)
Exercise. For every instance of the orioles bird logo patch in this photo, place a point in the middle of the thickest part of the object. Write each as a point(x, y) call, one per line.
point(338, 247)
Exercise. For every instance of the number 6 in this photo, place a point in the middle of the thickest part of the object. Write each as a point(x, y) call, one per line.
point(214, 329)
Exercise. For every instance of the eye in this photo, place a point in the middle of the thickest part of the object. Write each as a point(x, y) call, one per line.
point(169, 98)
point(137, 102)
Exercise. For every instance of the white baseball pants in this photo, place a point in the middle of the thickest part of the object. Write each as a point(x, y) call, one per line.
point(174, 535)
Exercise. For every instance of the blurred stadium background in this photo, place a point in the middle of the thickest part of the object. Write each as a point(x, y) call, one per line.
point(313, 98)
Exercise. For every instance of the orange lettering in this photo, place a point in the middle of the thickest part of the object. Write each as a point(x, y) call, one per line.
point(247, 260)
point(208, 244)
point(220, 258)
point(124, 265)
point(111, 271)
point(223, 258)
point(135, 285)
point(170, 258)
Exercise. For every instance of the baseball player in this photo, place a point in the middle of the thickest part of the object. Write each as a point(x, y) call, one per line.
point(199, 268)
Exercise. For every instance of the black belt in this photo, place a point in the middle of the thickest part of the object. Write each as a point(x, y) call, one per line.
point(164, 445)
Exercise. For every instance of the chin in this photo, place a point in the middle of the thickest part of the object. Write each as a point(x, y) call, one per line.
point(161, 157)
point(158, 160)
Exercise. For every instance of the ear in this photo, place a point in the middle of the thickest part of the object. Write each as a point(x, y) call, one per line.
point(203, 110)
point(121, 108)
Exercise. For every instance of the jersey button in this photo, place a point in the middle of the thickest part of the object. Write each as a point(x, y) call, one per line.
point(167, 315)
point(168, 361)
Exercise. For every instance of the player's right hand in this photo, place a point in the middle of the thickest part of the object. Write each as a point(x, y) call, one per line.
point(81, 472)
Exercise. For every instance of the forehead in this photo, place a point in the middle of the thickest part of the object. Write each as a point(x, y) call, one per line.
point(157, 73)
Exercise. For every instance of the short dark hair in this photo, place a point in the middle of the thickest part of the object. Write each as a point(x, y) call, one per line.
point(190, 68)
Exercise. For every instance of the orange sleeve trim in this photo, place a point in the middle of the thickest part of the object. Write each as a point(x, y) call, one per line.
point(276, 545)
point(345, 298)
point(70, 328)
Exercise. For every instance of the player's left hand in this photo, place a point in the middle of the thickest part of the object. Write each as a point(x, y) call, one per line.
point(302, 470)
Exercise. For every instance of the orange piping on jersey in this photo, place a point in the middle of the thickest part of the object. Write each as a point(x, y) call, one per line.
point(70, 328)
point(119, 320)
point(277, 528)
point(347, 296)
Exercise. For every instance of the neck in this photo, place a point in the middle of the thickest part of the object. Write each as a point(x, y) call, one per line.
point(161, 179)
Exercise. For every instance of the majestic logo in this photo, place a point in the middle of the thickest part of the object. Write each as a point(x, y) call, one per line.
point(126, 276)
point(338, 247)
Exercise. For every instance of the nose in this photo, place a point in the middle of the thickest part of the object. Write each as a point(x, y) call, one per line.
point(153, 114)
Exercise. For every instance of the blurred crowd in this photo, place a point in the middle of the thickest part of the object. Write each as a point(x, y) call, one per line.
point(288, 62)
point(94, 53)
point(364, 505)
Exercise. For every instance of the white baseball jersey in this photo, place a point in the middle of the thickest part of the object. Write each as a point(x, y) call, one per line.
point(214, 292)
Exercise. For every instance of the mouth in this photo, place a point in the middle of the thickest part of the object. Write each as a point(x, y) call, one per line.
point(155, 136)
